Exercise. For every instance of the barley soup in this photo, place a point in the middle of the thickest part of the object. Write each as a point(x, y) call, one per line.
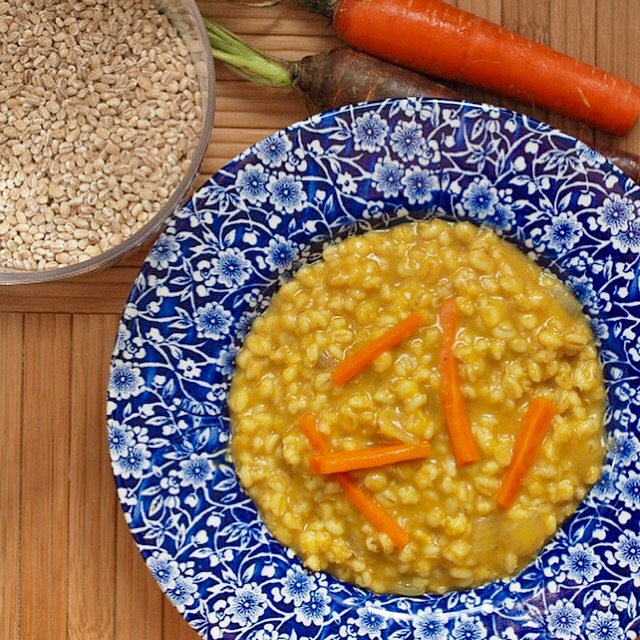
point(521, 335)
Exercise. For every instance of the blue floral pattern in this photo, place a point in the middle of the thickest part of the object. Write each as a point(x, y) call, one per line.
point(213, 271)
point(565, 620)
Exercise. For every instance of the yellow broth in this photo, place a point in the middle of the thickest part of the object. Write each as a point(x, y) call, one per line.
point(521, 334)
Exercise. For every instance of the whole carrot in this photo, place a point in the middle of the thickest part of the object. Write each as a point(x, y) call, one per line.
point(441, 40)
point(328, 80)
point(343, 76)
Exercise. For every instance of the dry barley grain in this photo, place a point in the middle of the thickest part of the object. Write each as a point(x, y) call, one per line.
point(69, 86)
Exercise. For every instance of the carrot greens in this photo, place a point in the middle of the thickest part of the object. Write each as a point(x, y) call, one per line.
point(245, 60)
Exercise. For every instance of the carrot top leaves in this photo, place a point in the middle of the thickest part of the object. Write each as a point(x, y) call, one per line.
point(245, 60)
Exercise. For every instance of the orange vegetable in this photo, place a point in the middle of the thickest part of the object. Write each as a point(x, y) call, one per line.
point(379, 456)
point(328, 79)
point(341, 76)
point(441, 40)
point(361, 358)
point(532, 433)
point(309, 426)
point(360, 499)
point(465, 448)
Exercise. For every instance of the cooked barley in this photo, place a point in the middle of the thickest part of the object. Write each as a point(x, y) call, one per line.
point(458, 535)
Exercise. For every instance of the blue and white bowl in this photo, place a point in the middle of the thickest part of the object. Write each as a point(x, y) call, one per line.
point(215, 268)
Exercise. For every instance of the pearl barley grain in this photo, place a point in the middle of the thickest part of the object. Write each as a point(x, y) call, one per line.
point(73, 155)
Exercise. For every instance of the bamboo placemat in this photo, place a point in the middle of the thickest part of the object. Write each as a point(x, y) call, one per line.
point(69, 565)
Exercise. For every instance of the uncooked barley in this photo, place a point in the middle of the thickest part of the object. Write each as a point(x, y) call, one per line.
point(99, 112)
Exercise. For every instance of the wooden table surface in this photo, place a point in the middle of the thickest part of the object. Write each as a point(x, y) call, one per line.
point(69, 566)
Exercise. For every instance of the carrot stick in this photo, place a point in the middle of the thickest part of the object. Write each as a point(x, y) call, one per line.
point(341, 461)
point(532, 433)
point(373, 512)
point(355, 362)
point(465, 448)
point(438, 39)
point(309, 426)
point(360, 499)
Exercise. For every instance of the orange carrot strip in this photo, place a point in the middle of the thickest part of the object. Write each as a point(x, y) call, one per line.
point(355, 362)
point(532, 433)
point(378, 456)
point(465, 448)
point(360, 499)
point(441, 40)
point(309, 426)
point(373, 512)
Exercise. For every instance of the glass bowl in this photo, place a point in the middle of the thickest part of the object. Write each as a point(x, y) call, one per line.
point(186, 17)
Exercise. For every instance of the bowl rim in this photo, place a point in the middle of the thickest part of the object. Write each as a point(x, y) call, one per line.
point(177, 198)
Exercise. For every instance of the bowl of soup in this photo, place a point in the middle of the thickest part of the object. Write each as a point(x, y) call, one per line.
point(230, 426)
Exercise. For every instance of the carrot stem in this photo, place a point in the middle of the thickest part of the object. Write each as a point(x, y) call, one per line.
point(360, 499)
point(465, 448)
point(369, 458)
point(535, 426)
point(361, 358)
point(246, 61)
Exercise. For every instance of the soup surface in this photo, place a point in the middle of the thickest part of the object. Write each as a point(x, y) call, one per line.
point(521, 334)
